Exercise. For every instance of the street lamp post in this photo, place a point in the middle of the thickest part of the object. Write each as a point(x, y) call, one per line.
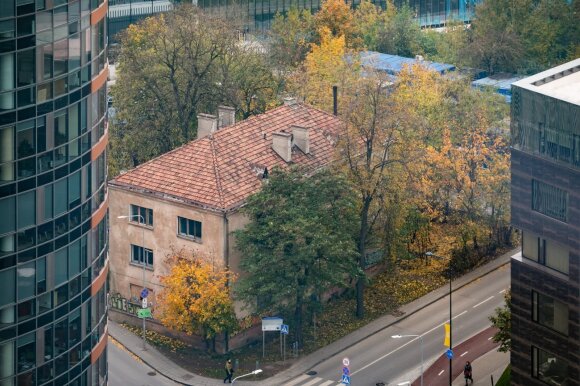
point(257, 371)
point(431, 254)
point(142, 219)
point(421, 342)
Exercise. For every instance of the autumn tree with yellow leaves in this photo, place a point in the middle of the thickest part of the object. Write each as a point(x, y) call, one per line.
point(195, 298)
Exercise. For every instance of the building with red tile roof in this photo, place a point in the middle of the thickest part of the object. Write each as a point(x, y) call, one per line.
point(188, 198)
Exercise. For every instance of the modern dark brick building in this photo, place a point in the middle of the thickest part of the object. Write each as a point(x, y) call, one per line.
point(53, 198)
point(546, 208)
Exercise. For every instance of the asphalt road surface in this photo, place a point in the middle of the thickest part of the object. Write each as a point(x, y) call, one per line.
point(382, 359)
point(126, 370)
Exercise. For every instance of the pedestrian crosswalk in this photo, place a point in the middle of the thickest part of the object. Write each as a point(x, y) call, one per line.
point(308, 380)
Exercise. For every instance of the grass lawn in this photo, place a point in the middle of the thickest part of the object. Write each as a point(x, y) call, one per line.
point(505, 378)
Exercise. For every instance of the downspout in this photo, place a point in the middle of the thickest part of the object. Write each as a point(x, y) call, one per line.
point(227, 263)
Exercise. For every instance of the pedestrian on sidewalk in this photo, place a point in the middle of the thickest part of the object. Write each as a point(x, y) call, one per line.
point(467, 373)
point(229, 371)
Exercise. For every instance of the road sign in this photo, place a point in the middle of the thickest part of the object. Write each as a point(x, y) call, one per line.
point(144, 303)
point(144, 293)
point(346, 380)
point(449, 353)
point(284, 329)
point(345, 362)
point(144, 313)
point(272, 323)
point(345, 371)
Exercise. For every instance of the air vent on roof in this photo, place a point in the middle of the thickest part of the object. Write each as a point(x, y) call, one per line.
point(556, 76)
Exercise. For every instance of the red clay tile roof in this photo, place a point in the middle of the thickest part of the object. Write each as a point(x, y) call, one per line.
point(220, 172)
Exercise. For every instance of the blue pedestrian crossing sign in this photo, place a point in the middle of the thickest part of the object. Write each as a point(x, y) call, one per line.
point(346, 370)
point(284, 329)
point(449, 353)
point(346, 379)
point(144, 293)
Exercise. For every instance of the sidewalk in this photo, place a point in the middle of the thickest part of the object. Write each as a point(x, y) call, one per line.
point(164, 366)
point(491, 364)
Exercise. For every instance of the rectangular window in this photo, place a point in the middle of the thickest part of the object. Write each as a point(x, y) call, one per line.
point(141, 215)
point(140, 255)
point(549, 200)
point(189, 228)
point(548, 367)
point(550, 312)
point(546, 252)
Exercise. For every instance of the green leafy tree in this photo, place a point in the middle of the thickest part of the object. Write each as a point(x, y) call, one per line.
point(400, 34)
point(290, 38)
point(298, 244)
point(502, 320)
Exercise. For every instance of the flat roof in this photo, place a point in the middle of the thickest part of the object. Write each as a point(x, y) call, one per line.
point(393, 64)
point(561, 82)
point(499, 81)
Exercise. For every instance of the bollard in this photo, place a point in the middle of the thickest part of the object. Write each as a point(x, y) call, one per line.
point(491, 379)
point(257, 365)
point(236, 364)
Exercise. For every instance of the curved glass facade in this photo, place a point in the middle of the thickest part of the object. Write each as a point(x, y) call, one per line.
point(53, 240)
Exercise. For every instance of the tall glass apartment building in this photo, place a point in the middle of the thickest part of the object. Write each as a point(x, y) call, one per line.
point(53, 199)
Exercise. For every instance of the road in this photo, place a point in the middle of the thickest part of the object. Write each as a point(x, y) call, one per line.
point(126, 370)
point(381, 358)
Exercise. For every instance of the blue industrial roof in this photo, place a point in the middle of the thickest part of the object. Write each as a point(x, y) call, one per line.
point(393, 64)
point(501, 81)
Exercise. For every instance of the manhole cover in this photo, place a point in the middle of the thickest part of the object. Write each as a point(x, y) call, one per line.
point(151, 373)
point(311, 373)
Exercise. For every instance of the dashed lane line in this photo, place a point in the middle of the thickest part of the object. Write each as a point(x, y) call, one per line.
point(480, 303)
point(441, 372)
point(464, 353)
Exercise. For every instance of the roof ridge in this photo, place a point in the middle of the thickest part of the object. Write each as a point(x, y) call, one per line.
point(216, 171)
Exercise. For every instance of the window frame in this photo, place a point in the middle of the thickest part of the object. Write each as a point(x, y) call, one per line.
point(537, 302)
point(535, 365)
point(543, 259)
point(136, 213)
point(192, 226)
point(140, 261)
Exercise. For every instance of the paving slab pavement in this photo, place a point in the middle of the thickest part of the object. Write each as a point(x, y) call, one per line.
point(153, 358)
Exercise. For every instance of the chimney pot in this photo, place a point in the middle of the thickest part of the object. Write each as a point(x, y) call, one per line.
point(226, 116)
point(282, 145)
point(206, 125)
point(301, 138)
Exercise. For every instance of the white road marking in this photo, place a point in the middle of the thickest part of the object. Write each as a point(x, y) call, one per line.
point(490, 338)
point(326, 383)
point(464, 353)
point(441, 372)
point(502, 291)
point(480, 303)
point(297, 380)
point(400, 347)
point(312, 382)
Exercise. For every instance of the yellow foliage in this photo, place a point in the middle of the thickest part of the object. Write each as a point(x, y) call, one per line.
point(336, 17)
point(196, 296)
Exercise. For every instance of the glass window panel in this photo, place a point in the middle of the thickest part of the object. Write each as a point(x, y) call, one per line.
point(26, 310)
point(60, 337)
point(26, 96)
point(25, 25)
point(8, 280)
point(74, 258)
point(60, 197)
point(26, 68)
point(530, 245)
point(7, 245)
point(44, 20)
point(45, 39)
point(557, 256)
point(26, 167)
point(26, 239)
point(7, 30)
point(48, 200)
point(44, 92)
point(48, 342)
point(25, 143)
point(26, 280)
point(74, 189)
point(27, 352)
point(73, 121)
point(61, 266)
point(60, 15)
point(26, 209)
point(7, 317)
point(41, 134)
point(8, 210)
point(7, 78)
point(60, 86)
point(60, 128)
point(41, 275)
point(60, 57)
point(47, 59)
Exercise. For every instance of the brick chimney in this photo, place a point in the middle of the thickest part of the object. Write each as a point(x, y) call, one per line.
point(282, 145)
point(206, 125)
point(226, 116)
point(301, 138)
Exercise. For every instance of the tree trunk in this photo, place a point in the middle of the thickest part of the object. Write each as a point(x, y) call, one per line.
point(298, 319)
point(360, 284)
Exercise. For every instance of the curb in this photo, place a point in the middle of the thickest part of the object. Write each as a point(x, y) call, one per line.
point(147, 363)
point(437, 298)
point(321, 359)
